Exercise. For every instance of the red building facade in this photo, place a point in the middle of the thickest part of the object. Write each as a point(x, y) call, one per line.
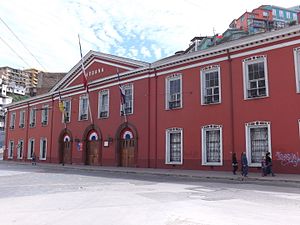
point(188, 111)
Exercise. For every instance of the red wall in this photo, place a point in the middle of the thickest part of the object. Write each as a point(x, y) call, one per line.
point(151, 119)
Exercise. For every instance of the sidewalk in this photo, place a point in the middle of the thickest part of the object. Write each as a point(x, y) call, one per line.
point(279, 179)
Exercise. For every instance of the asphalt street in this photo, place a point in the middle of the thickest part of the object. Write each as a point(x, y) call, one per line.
point(35, 195)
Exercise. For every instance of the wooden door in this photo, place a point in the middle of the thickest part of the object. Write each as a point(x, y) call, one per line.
point(92, 157)
point(127, 152)
point(67, 156)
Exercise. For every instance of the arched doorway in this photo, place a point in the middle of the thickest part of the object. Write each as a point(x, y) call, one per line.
point(127, 146)
point(65, 147)
point(93, 154)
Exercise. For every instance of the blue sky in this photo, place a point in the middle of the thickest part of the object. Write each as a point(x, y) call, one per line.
point(143, 30)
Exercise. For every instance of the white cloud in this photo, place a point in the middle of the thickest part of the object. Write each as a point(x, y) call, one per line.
point(145, 52)
point(49, 28)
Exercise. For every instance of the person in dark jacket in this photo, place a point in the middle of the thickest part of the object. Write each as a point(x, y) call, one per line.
point(244, 165)
point(234, 163)
point(269, 165)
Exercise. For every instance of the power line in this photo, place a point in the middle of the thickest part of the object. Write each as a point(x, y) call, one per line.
point(22, 44)
point(14, 51)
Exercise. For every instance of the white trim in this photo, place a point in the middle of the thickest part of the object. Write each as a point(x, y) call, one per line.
point(12, 121)
point(37, 103)
point(47, 116)
point(41, 145)
point(100, 96)
point(204, 129)
point(62, 114)
point(24, 120)
point(256, 124)
point(21, 107)
point(168, 79)
point(253, 60)
point(29, 146)
point(264, 49)
point(98, 61)
point(296, 52)
point(19, 149)
point(126, 87)
point(11, 146)
point(167, 156)
point(81, 97)
point(203, 72)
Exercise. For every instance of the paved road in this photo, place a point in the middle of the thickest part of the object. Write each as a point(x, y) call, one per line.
point(55, 196)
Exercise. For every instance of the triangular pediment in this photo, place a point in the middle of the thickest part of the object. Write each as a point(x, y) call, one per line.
point(97, 65)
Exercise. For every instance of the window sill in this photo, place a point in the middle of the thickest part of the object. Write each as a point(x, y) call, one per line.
point(212, 164)
point(173, 163)
point(213, 103)
point(255, 98)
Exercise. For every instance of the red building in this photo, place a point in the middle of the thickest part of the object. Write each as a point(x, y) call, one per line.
point(189, 111)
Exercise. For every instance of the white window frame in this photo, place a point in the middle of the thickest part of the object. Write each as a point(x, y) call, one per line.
point(81, 114)
point(41, 148)
point(10, 154)
point(274, 13)
point(297, 68)
point(288, 15)
point(66, 112)
point(22, 119)
point(295, 17)
point(168, 147)
point(102, 109)
point(129, 100)
point(12, 122)
point(204, 131)
point(204, 71)
point(29, 155)
point(249, 61)
point(45, 115)
point(256, 124)
point(281, 14)
point(32, 117)
point(20, 148)
point(168, 94)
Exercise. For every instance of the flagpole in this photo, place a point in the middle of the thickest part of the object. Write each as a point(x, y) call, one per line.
point(85, 82)
point(122, 97)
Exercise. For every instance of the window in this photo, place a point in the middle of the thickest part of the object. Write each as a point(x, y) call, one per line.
point(103, 104)
point(210, 85)
point(255, 77)
point(265, 14)
point(258, 141)
point(280, 13)
point(20, 149)
point(288, 15)
point(212, 145)
point(30, 150)
point(12, 121)
point(45, 111)
point(295, 17)
point(66, 116)
point(297, 68)
point(43, 149)
point(274, 12)
point(83, 107)
point(22, 119)
point(11, 149)
point(128, 98)
point(174, 146)
point(174, 91)
point(32, 118)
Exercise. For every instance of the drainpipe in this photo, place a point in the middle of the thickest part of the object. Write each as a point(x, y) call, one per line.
point(155, 119)
point(51, 128)
point(27, 131)
point(231, 101)
point(148, 93)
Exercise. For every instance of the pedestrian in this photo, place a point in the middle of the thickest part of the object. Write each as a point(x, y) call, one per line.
point(269, 165)
point(33, 159)
point(234, 163)
point(263, 166)
point(244, 165)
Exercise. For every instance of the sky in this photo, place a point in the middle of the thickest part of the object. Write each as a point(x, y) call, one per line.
point(138, 29)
